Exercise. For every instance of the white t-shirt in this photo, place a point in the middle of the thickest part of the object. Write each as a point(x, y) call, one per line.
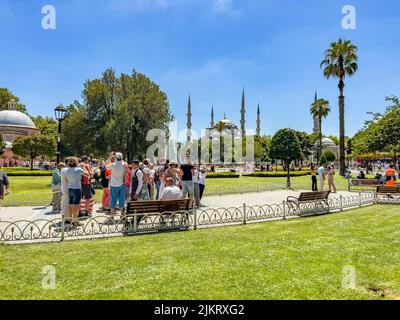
point(202, 178)
point(171, 193)
point(64, 181)
point(118, 171)
point(195, 178)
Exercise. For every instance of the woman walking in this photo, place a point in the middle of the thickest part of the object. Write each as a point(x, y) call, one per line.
point(330, 171)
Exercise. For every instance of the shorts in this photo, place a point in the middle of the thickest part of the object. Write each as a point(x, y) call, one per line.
point(75, 196)
point(87, 191)
point(188, 188)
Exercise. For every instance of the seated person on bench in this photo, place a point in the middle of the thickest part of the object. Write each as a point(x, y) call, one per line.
point(171, 191)
point(361, 176)
point(391, 182)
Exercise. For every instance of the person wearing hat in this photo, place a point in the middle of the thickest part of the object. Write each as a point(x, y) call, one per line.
point(56, 187)
point(118, 176)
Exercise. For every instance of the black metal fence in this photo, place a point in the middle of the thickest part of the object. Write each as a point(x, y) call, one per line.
point(58, 229)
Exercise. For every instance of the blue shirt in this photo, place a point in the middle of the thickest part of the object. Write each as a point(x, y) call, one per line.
point(74, 177)
point(321, 171)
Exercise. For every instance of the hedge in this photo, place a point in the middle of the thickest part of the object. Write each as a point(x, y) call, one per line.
point(279, 174)
point(23, 172)
point(213, 175)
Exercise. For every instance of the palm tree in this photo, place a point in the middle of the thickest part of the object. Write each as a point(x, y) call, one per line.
point(341, 61)
point(320, 108)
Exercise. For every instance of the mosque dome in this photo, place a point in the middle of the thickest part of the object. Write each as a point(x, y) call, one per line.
point(326, 143)
point(227, 124)
point(15, 119)
point(14, 124)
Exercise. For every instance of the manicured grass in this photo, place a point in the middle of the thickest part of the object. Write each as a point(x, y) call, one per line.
point(223, 186)
point(297, 259)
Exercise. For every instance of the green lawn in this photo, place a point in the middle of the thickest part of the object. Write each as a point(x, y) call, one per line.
point(39, 191)
point(297, 259)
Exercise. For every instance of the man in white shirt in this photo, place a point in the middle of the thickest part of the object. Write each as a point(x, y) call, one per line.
point(321, 174)
point(119, 172)
point(171, 191)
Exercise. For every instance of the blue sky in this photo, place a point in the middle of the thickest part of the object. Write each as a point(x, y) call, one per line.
point(210, 48)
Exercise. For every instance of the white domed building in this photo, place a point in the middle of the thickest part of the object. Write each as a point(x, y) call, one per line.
point(14, 124)
point(329, 145)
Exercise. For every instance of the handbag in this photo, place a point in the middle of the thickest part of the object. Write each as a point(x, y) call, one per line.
point(92, 189)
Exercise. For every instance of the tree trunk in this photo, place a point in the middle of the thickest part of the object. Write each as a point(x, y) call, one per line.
point(342, 156)
point(320, 138)
point(32, 163)
point(288, 182)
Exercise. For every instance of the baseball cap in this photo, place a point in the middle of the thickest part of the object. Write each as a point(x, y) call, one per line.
point(119, 156)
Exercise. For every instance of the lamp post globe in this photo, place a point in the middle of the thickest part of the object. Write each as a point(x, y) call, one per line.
point(60, 113)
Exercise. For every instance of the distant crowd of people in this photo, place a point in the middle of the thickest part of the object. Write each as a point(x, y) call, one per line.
point(73, 192)
point(389, 176)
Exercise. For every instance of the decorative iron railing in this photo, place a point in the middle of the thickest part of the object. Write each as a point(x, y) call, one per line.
point(58, 229)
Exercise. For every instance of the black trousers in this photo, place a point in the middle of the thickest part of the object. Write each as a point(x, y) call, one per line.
point(314, 183)
point(202, 187)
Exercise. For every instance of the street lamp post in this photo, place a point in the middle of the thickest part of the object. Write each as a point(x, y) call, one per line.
point(60, 113)
point(288, 183)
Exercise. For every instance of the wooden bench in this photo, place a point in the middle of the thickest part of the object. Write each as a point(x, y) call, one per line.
point(160, 210)
point(388, 192)
point(362, 183)
point(308, 197)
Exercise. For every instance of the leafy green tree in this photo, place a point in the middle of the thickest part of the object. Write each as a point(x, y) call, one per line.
point(341, 61)
point(75, 138)
point(285, 145)
point(47, 125)
point(307, 142)
point(119, 111)
point(34, 146)
point(329, 156)
point(320, 109)
point(322, 160)
point(382, 133)
point(6, 96)
point(261, 148)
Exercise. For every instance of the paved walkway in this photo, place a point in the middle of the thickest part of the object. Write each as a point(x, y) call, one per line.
point(226, 201)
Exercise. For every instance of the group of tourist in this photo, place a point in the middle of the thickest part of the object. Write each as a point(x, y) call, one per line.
point(73, 192)
point(325, 173)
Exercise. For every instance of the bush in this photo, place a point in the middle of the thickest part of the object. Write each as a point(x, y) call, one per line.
point(329, 156)
point(23, 172)
point(213, 175)
point(279, 174)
